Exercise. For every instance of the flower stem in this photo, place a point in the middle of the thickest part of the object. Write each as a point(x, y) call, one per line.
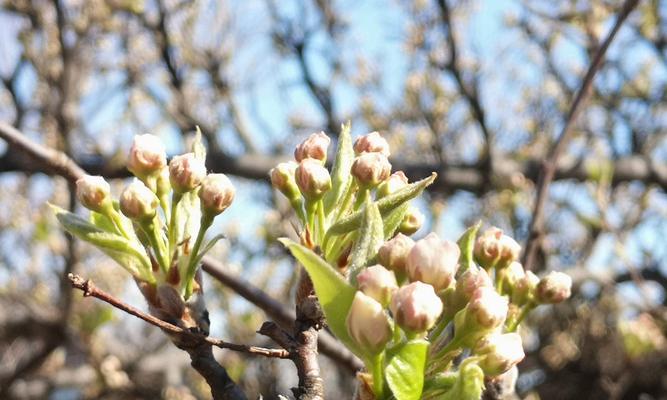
point(378, 376)
point(514, 324)
point(175, 198)
point(206, 221)
point(152, 231)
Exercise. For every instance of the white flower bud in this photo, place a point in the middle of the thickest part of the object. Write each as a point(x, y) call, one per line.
point(312, 178)
point(466, 285)
point(510, 250)
point(147, 156)
point(394, 253)
point(378, 282)
point(216, 193)
point(416, 307)
point(487, 309)
point(282, 178)
point(368, 324)
point(524, 289)
point(433, 261)
point(138, 202)
point(315, 147)
point(372, 143)
point(396, 181)
point(369, 169)
point(501, 352)
point(93, 192)
point(554, 288)
point(495, 248)
point(412, 221)
point(186, 172)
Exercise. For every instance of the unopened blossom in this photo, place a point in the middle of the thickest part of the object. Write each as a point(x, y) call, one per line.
point(471, 280)
point(396, 181)
point(524, 288)
point(372, 143)
point(186, 172)
point(216, 193)
point(315, 147)
point(412, 221)
point(416, 307)
point(394, 253)
point(312, 179)
point(378, 282)
point(138, 202)
point(147, 155)
point(500, 351)
point(433, 261)
point(282, 178)
point(553, 288)
point(495, 248)
point(93, 192)
point(514, 273)
point(368, 323)
point(369, 169)
point(487, 309)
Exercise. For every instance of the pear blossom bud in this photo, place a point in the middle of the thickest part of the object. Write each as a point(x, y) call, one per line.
point(312, 178)
point(466, 285)
point(147, 155)
point(216, 193)
point(186, 172)
point(93, 192)
point(487, 309)
point(501, 352)
point(138, 202)
point(416, 307)
point(368, 324)
point(163, 185)
point(378, 282)
point(282, 178)
point(509, 250)
point(396, 181)
point(315, 147)
point(495, 248)
point(524, 289)
point(433, 261)
point(369, 169)
point(372, 143)
point(553, 288)
point(514, 273)
point(412, 221)
point(393, 253)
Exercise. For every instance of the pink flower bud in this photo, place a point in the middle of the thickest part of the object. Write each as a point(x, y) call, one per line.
point(372, 143)
point(93, 192)
point(554, 288)
point(282, 178)
point(147, 155)
point(312, 178)
point(138, 202)
point(471, 280)
point(394, 253)
point(416, 307)
point(396, 181)
point(501, 352)
point(494, 248)
point(487, 308)
point(510, 250)
point(433, 261)
point(315, 147)
point(216, 193)
point(370, 169)
point(186, 172)
point(412, 221)
point(378, 282)
point(524, 288)
point(368, 324)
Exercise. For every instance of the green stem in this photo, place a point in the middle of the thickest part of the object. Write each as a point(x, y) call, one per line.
point(439, 328)
point(206, 221)
point(175, 198)
point(152, 231)
point(513, 325)
point(311, 210)
point(378, 376)
point(117, 219)
point(297, 205)
point(362, 195)
point(321, 221)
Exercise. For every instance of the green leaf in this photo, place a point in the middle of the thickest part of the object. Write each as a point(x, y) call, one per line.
point(198, 147)
point(103, 222)
point(393, 220)
point(467, 244)
point(405, 370)
point(340, 174)
point(369, 240)
point(334, 293)
point(208, 247)
point(470, 384)
point(385, 205)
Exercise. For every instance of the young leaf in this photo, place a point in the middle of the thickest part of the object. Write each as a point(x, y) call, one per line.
point(335, 295)
point(393, 220)
point(340, 174)
point(405, 370)
point(207, 247)
point(385, 205)
point(467, 244)
point(103, 222)
point(470, 383)
point(369, 240)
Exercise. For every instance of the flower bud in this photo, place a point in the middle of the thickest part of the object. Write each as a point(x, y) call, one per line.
point(514, 273)
point(466, 286)
point(412, 221)
point(501, 352)
point(147, 156)
point(553, 288)
point(138, 202)
point(312, 178)
point(494, 248)
point(315, 147)
point(378, 282)
point(487, 309)
point(433, 261)
point(393, 253)
point(371, 143)
point(186, 172)
point(368, 324)
point(416, 307)
point(509, 250)
point(524, 289)
point(93, 192)
point(216, 193)
point(396, 181)
point(163, 185)
point(282, 178)
point(369, 169)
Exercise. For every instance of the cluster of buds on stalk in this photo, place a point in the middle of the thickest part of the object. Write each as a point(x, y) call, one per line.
point(156, 229)
point(408, 308)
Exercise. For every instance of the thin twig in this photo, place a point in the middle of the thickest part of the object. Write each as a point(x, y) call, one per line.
point(548, 171)
point(89, 289)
